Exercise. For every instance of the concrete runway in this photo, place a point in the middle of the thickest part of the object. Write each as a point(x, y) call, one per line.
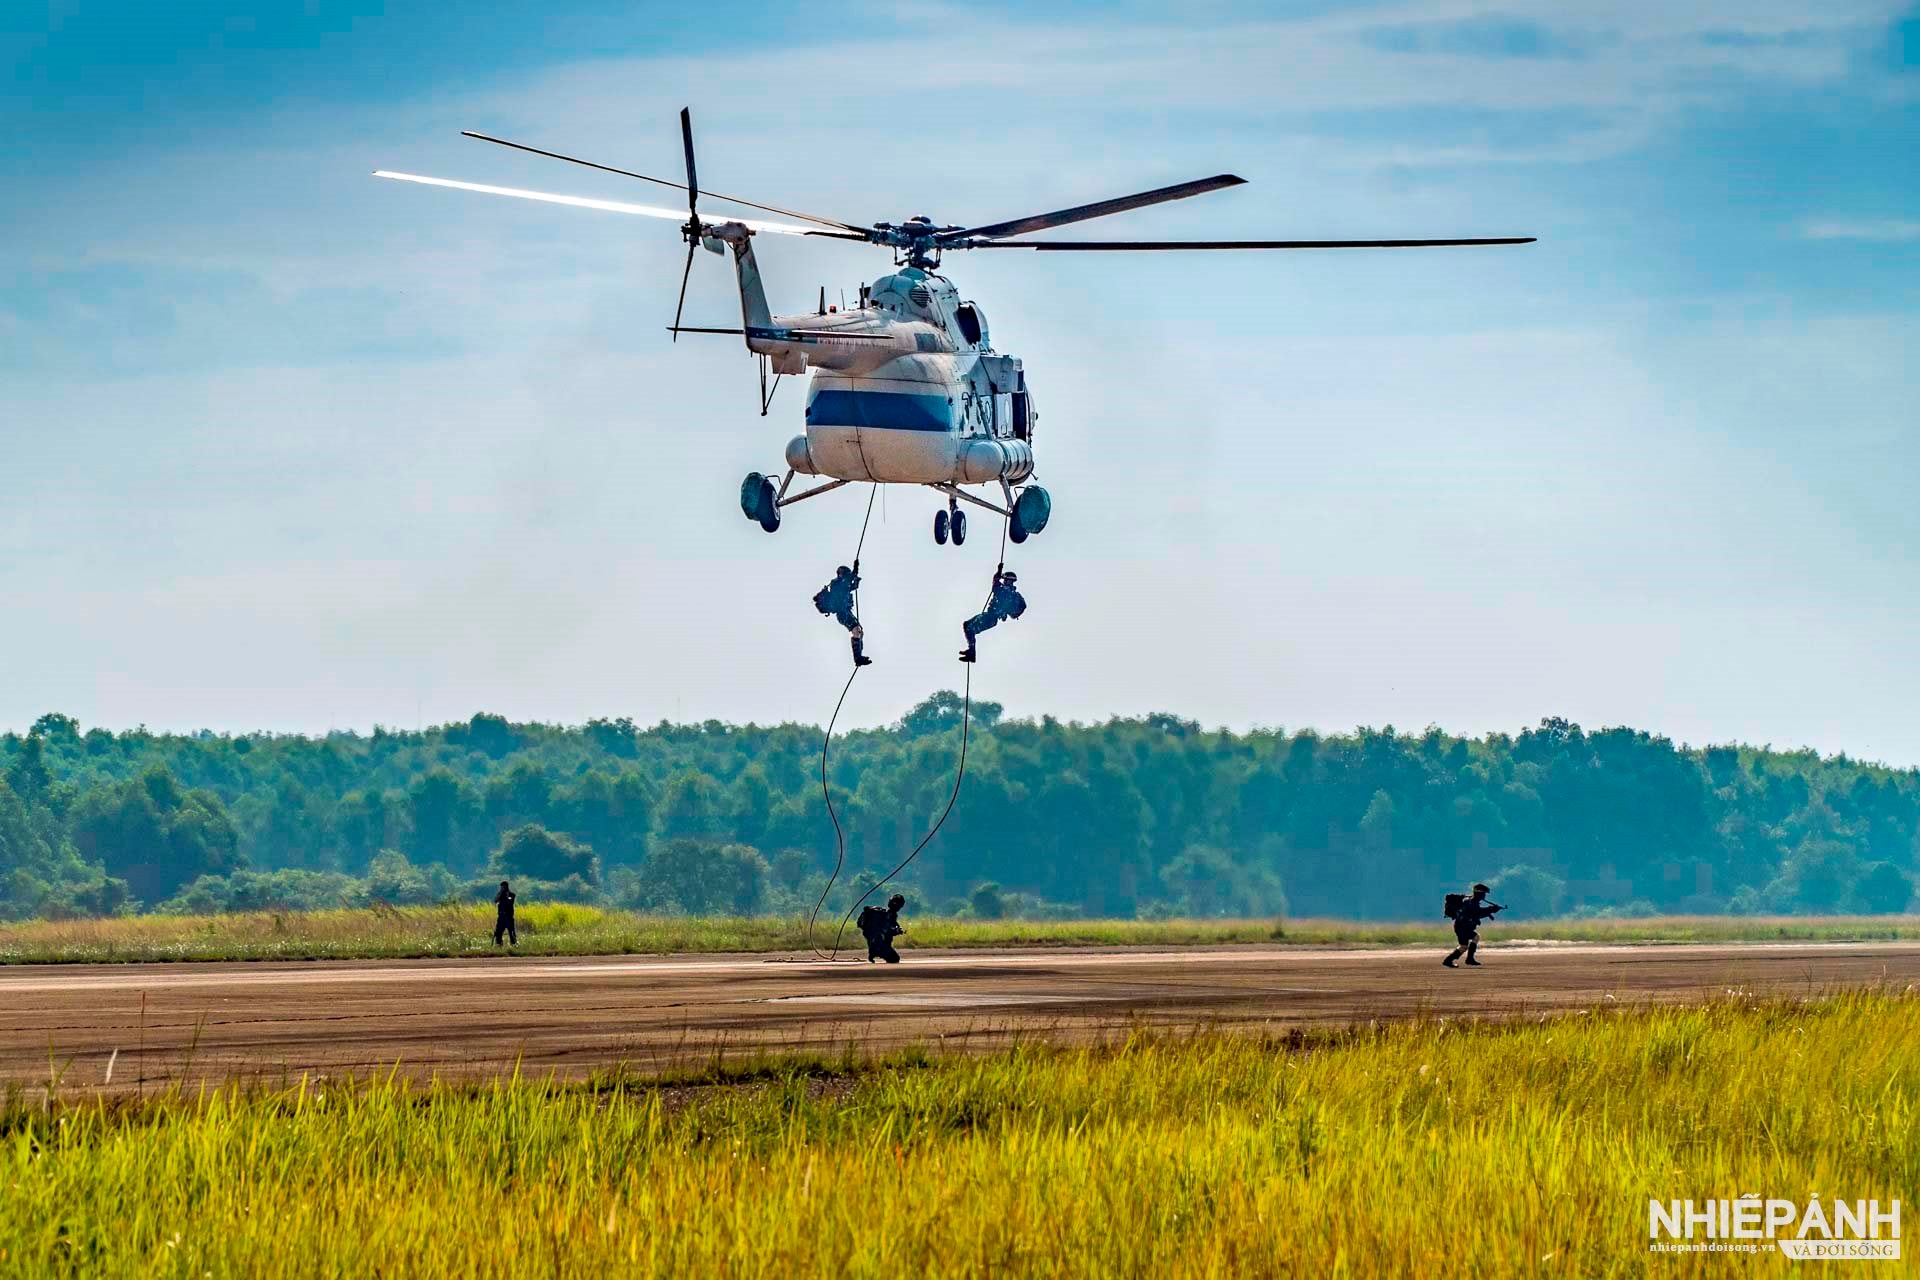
point(476, 1018)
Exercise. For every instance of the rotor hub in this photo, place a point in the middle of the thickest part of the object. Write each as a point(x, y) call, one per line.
point(917, 241)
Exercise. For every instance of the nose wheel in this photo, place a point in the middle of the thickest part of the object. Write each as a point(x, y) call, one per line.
point(950, 523)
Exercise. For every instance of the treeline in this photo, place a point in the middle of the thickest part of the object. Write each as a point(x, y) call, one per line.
point(1132, 817)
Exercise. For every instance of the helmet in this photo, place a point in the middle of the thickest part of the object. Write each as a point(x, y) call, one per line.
point(897, 901)
point(1480, 888)
point(843, 572)
point(1010, 576)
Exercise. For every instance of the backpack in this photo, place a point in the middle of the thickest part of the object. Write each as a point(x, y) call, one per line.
point(873, 922)
point(1454, 903)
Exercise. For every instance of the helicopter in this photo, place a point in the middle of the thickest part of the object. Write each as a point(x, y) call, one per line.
point(906, 386)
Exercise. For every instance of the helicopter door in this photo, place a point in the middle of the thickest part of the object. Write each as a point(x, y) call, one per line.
point(1022, 415)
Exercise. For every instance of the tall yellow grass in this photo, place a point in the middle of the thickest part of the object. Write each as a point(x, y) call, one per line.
point(1422, 1149)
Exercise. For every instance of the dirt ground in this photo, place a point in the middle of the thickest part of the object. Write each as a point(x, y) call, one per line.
point(475, 1018)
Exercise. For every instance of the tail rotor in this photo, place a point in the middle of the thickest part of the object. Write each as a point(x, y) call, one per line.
point(692, 229)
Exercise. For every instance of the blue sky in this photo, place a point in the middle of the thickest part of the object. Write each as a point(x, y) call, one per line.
point(284, 447)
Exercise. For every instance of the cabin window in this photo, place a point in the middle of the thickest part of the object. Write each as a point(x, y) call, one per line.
point(969, 321)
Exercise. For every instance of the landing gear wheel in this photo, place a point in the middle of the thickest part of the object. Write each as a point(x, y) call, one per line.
point(940, 526)
point(759, 501)
point(959, 523)
point(1031, 511)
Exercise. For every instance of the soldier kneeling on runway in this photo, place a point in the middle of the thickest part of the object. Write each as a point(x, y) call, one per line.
point(880, 927)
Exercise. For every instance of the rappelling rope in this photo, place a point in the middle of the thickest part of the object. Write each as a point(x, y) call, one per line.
point(966, 725)
point(839, 835)
point(959, 776)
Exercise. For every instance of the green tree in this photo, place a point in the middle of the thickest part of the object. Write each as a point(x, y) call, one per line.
point(750, 805)
point(1528, 893)
point(391, 878)
point(441, 807)
point(691, 807)
point(155, 835)
point(28, 775)
point(523, 793)
point(941, 713)
point(1817, 879)
point(1884, 890)
point(366, 824)
point(22, 848)
point(608, 811)
point(534, 853)
point(986, 903)
point(701, 878)
point(487, 733)
point(1206, 881)
point(615, 737)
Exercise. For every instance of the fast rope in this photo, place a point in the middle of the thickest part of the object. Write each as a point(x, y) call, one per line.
point(966, 725)
point(959, 776)
point(839, 835)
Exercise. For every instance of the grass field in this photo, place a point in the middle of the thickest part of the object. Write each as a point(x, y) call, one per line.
point(573, 930)
point(1419, 1149)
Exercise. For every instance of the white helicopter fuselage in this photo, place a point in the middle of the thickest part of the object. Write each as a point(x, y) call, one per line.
point(906, 387)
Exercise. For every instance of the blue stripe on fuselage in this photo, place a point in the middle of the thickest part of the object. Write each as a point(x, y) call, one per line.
point(892, 410)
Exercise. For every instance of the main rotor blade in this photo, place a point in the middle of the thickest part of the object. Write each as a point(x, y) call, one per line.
point(1059, 246)
point(582, 202)
point(628, 173)
point(1041, 221)
point(693, 183)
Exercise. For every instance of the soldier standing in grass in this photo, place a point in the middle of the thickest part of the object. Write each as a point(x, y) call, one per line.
point(1468, 911)
point(503, 915)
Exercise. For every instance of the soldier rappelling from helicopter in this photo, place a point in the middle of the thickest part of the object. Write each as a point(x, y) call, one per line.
point(1005, 602)
point(837, 601)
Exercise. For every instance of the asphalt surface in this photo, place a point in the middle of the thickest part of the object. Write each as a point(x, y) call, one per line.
point(477, 1018)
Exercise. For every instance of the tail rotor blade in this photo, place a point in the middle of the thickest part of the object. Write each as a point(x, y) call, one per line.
point(693, 243)
point(686, 139)
point(693, 217)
